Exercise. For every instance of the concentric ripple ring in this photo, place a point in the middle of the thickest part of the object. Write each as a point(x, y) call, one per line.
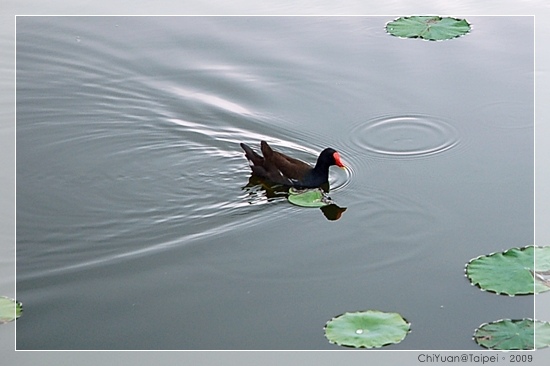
point(405, 136)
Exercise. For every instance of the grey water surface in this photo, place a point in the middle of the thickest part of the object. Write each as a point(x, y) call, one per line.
point(137, 227)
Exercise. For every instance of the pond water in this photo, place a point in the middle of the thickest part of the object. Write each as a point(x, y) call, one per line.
point(138, 226)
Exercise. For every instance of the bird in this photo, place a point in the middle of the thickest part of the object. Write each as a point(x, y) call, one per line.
point(279, 168)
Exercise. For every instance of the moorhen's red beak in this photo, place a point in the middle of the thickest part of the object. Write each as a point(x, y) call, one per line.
point(338, 160)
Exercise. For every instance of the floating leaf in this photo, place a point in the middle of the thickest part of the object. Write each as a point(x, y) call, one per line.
point(542, 334)
point(432, 28)
point(368, 329)
point(308, 198)
point(9, 309)
point(509, 334)
point(510, 272)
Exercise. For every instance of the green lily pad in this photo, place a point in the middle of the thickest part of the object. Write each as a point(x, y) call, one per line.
point(431, 28)
point(308, 198)
point(9, 309)
point(511, 272)
point(509, 334)
point(367, 329)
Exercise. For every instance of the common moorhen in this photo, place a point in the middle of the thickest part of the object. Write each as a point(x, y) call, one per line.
point(282, 169)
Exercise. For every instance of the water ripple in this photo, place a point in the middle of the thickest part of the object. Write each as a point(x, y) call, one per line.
point(397, 230)
point(412, 135)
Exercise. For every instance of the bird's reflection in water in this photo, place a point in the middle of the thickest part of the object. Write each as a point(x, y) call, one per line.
point(333, 212)
point(257, 186)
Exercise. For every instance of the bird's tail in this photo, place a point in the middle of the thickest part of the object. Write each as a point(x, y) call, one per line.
point(253, 158)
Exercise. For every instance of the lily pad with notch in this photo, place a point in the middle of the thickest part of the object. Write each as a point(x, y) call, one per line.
point(431, 28)
point(508, 334)
point(511, 272)
point(367, 329)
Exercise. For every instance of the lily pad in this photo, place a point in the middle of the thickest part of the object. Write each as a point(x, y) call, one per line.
point(509, 334)
point(431, 28)
point(9, 309)
point(511, 272)
point(308, 198)
point(367, 329)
